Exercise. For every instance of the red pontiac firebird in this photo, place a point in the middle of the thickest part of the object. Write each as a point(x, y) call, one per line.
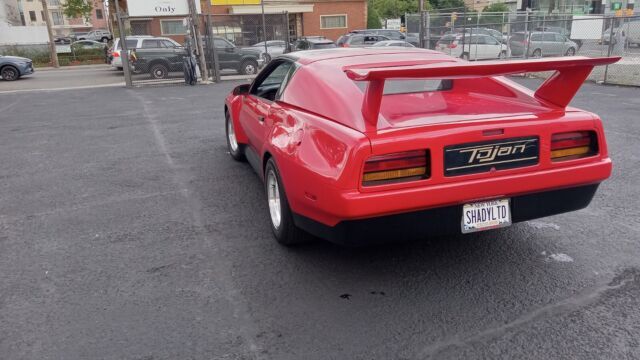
point(363, 145)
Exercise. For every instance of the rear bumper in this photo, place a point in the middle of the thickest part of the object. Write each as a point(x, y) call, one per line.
point(443, 220)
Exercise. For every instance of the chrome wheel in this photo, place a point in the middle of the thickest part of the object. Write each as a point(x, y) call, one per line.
point(233, 142)
point(250, 69)
point(273, 196)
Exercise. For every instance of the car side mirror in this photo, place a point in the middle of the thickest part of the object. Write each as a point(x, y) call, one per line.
point(241, 89)
point(402, 37)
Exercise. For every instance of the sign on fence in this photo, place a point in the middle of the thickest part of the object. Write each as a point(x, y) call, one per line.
point(160, 7)
point(393, 24)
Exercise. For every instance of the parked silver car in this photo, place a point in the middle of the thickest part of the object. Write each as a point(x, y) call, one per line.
point(97, 35)
point(541, 44)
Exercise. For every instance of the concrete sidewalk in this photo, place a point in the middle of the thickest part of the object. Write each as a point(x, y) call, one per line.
point(74, 67)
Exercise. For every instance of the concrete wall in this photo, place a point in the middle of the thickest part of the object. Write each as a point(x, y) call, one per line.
point(24, 35)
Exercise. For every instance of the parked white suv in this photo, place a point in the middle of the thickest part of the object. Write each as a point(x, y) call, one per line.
point(97, 35)
point(133, 42)
point(476, 47)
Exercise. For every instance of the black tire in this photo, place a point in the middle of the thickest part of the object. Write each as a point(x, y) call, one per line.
point(502, 55)
point(104, 40)
point(238, 153)
point(464, 56)
point(570, 52)
point(537, 53)
point(287, 233)
point(267, 58)
point(249, 67)
point(10, 73)
point(159, 71)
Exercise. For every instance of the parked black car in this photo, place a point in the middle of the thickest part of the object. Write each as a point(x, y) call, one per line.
point(313, 42)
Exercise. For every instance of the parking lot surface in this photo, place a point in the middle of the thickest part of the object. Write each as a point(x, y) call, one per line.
point(127, 232)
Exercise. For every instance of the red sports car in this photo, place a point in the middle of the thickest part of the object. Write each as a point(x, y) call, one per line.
point(362, 145)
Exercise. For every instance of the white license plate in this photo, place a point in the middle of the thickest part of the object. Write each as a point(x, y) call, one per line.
point(485, 215)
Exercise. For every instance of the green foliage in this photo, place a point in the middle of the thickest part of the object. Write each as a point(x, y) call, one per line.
point(448, 5)
point(373, 18)
point(497, 7)
point(77, 8)
point(393, 9)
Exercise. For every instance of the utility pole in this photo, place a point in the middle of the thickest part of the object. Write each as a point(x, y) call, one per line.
point(124, 52)
point(52, 45)
point(195, 21)
point(421, 29)
point(212, 45)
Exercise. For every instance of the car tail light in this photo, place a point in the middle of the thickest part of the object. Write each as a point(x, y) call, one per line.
point(344, 45)
point(452, 45)
point(116, 54)
point(404, 166)
point(573, 145)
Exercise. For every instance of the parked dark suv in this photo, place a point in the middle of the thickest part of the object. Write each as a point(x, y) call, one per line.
point(313, 42)
point(158, 57)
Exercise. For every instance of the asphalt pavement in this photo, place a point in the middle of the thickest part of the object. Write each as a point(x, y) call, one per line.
point(127, 232)
point(69, 77)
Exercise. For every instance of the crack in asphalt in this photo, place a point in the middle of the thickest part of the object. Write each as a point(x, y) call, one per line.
point(220, 265)
point(559, 308)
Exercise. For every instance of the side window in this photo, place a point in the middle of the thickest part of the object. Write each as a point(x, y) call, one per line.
point(302, 45)
point(168, 44)
point(548, 37)
point(269, 85)
point(220, 44)
point(536, 37)
point(150, 44)
point(560, 38)
point(357, 40)
point(491, 40)
point(482, 40)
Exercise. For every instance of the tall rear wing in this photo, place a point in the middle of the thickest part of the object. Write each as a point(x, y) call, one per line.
point(557, 90)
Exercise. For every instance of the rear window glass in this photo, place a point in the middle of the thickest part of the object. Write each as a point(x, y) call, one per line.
point(324, 45)
point(131, 44)
point(342, 40)
point(407, 86)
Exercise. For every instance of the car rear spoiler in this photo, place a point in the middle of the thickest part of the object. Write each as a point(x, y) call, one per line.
point(557, 90)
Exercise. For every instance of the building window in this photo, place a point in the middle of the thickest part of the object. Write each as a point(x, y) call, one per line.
point(99, 14)
point(333, 21)
point(172, 27)
point(57, 18)
point(32, 16)
point(54, 2)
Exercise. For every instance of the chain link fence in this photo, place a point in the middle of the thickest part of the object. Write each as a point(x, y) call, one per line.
point(232, 47)
point(482, 36)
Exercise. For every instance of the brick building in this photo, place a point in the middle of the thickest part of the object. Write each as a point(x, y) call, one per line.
point(241, 20)
point(32, 14)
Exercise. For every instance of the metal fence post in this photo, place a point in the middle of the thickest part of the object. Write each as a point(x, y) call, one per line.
point(428, 23)
point(421, 28)
point(606, 68)
point(264, 28)
point(287, 37)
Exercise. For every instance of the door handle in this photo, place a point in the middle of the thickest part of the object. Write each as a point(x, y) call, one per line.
point(261, 118)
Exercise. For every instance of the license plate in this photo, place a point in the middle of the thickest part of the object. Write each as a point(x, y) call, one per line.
point(485, 215)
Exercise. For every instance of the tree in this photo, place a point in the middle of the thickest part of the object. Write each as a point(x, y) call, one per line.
point(393, 9)
point(373, 18)
point(497, 7)
point(77, 8)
